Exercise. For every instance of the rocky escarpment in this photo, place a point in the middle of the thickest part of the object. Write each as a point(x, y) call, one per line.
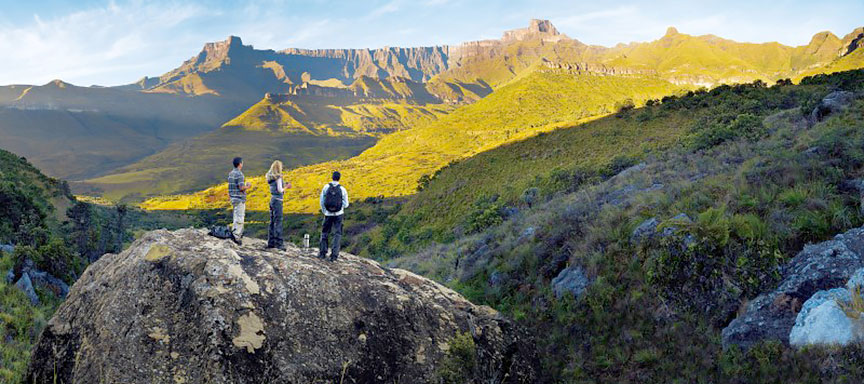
point(184, 307)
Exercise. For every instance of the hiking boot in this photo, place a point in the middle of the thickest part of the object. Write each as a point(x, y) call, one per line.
point(237, 240)
point(281, 248)
point(333, 259)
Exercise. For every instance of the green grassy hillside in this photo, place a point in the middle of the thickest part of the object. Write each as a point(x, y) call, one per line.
point(335, 116)
point(564, 159)
point(758, 180)
point(59, 235)
point(32, 208)
point(206, 160)
point(541, 101)
point(299, 131)
point(681, 58)
point(79, 132)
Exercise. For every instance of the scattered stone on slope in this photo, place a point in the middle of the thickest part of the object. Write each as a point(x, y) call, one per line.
point(37, 278)
point(571, 280)
point(771, 316)
point(25, 285)
point(644, 231)
point(47, 281)
point(185, 307)
point(823, 322)
point(832, 103)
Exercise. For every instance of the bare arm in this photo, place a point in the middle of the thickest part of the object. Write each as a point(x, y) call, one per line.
point(243, 186)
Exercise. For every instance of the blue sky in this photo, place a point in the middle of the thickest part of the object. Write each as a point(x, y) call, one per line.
point(115, 42)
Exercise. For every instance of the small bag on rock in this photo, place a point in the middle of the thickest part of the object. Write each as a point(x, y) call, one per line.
point(220, 231)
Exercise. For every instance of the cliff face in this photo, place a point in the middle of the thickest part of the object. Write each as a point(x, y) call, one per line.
point(231, 68)
point(418, 64)
point(185, 307)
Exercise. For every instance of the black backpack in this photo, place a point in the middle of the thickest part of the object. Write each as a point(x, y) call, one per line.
point(333, 199)
point(221, 231)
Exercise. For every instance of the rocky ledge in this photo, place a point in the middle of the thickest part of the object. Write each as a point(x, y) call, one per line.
point(184, 307)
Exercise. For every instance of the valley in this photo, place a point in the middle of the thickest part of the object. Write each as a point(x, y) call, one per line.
point(532, 69)
point(523, 209)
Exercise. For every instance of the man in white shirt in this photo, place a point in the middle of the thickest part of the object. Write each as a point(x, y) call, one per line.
point(334, 200)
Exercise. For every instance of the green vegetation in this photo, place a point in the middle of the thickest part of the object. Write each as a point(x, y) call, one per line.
point(80, 132)
point(60, 235)
point(655, 308)
point(20, 324)
point(298, 131)
point(461, 362)
point(335, 115)
point(542, 101)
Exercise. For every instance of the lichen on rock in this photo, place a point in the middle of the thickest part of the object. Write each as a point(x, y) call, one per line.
point(185, 307)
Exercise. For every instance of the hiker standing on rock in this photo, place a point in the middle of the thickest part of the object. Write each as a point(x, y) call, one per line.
point(277, 191)
point(237, 187)
point(334, 200)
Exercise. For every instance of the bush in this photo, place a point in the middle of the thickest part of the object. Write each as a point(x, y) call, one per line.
point(745, 125)
point(461, 362)
point(625, 105)
point(529, 196)
point(487, 212)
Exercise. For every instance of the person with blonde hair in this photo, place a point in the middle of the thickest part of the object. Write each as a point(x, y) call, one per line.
point(277, 192)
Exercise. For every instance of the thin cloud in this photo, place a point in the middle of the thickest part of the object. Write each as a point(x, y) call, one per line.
point(121, 41)
point(89, 42)
point(618, 12)
point(390, 7)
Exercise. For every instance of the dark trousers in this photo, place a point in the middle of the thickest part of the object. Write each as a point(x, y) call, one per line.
point(332, 224)
point(274, 235)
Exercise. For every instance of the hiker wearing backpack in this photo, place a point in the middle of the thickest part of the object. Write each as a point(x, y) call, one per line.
point(237, 187)
point(334, 200)
point(277, 191)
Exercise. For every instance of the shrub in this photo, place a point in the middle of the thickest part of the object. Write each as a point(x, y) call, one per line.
point(529, 196)
point(712, 226)
point(423, 182)
point(625, 105)
point(486, 212)
point(460, 363)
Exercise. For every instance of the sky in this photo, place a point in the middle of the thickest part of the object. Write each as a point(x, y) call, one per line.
point(87, 42)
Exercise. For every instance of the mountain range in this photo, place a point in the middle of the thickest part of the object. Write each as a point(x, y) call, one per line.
point(536, 79)
point(172, 133)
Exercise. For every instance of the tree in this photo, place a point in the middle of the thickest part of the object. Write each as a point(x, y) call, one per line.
point(122, 210)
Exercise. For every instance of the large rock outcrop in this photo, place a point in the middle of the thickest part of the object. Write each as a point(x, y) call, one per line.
point(831, 317)
point(184, 307)
point(822, 266)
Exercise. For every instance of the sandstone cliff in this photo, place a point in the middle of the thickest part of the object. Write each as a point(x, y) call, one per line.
point(184, 307)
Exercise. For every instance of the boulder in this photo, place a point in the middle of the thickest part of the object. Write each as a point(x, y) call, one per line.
point(821, 321)
point(670, 230)
point(527, 234)
point(47, 281)
point(571, 280)
point(644, 231)
point(25, 285)
point(856, 281)
point(186, 307)
point(7, 248)
point(771, 315)
point(834, 102)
